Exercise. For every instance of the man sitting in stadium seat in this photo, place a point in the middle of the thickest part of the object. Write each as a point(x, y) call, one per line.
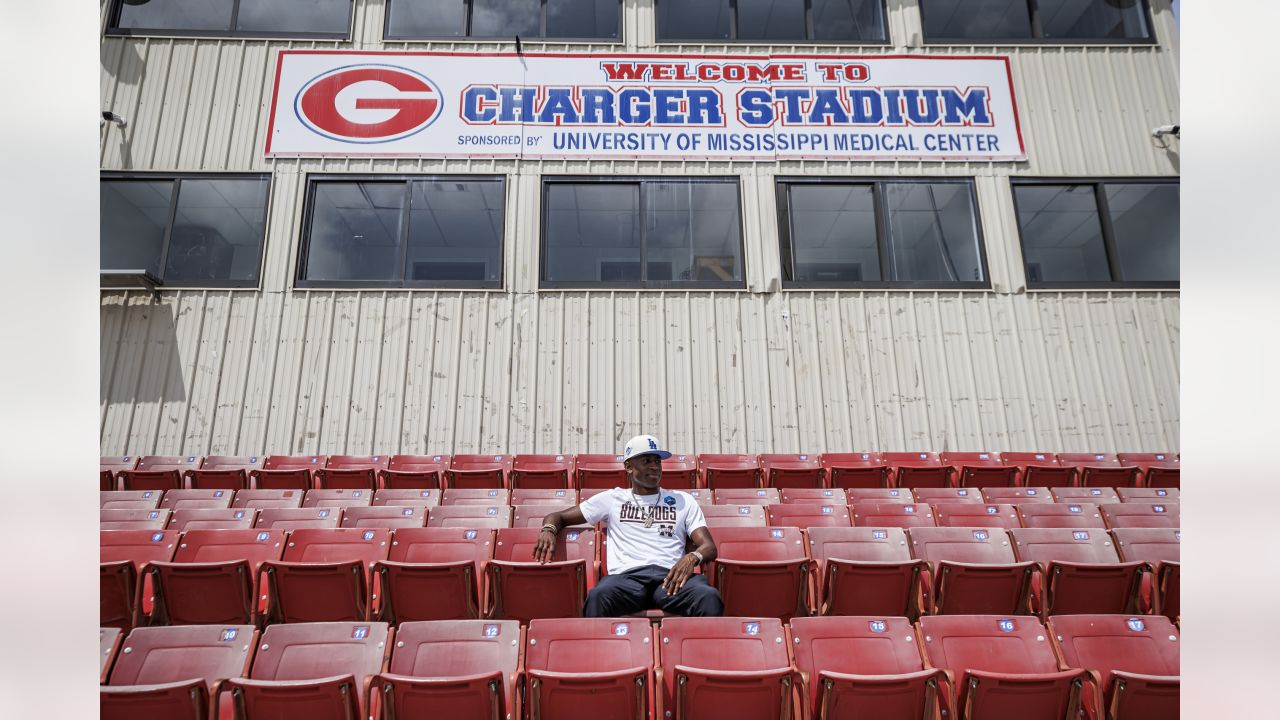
point(649, 529)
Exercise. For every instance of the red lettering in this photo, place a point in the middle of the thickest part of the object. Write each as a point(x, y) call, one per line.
point(625, 71)
point(318, 103)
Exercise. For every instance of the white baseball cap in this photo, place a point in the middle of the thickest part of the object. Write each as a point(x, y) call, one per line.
point(643, 445)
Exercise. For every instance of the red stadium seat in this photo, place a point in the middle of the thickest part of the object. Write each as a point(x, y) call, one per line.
point(974, 570)
point(963, 514)
point(1080, 570)
point(414, 472)
point(1037, 469)
point(312, 671)
point(555, 497)
point(118, 601)
point(133, 519)
point(980, 469)
point(792, 471)
point(747, 496)
point(866, 667)
point(1095, 495)
point(172, 672)
point(213, 519)
point(108, 468)
point(459, 669)
point(814, 496)
point(542, 471)
point(1004, 667)
point(123, 555)
point(1100, 470)
point(1148, 494)
point(197, 499)
point(479, 471)
point(719, 516)
point(942, 496)
point(900, 515)
point(865, 571)
point(470, 516)
point(521, 588)
point(702, 496)
point(108, 645)
point(1017, 495)
point(855, 470)
point(1140, 515)
point(585, 493)
point(762, 571)
point(805, 516)
point(129, 499)
point(589, 667)
point(211, 579)
point(1154, 546)
point(351, 472)
point(1154, 469)
point(879, 495)
point(679, 472)
point(727, 667)
point(157, 472)
point(434, 574)
point(1135, 658)
point(475, 496)
point(599, 471)
point(917, 469)
point(384, 517)
point(719, 470)
point(338, 498)
point(1168, 598)
point(323, 575)
point(531, 516)
point(268, 499)
point(138, 546)
point(415, 497)
point(223, 472)
point(287, 472)
point(1060, 515)
point(298, 518)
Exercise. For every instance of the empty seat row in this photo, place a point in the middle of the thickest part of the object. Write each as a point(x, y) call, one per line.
point(798, 470)
point(180, 499)
point(903, 515)
point(997, 494)
point(968, 667)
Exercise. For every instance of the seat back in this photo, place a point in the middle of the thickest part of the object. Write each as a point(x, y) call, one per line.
point(197, 499)
point(129, 499)
point(482, 657)
point(212, 577)
point(357, 462)
point(475, 496)
point(719, 516)
point(1017, 495)
point(864, 571)
point(963, 514)
point(702, 496)
point(294, 462)
point(337, 545)
point(800, 470)
point(587, 667)
point(470, 516)
point(814, 496)
point(596, 470)
point(878, 495)
point(901, 515)
point(557, 497)
point(542, 471)
point(442, 545)
point(1100, 469)
point(227, 472)
point(137, 546)
point(521, 588)
point(158, 655)
point(479, 471)
point(531, 516)
point(1040, 469)
point(679, 472)
point(298, 518)
point(1140, 515)
point(1152, 545)
point(738, 650)
point(980, 469)
point(268, 499)
point(974, 570)
point(1082, 571)
point(987, 546)
point(133, 519)
point(435, 573)
point(115, 463)
point(855, 470)
point(159, 463)
point(804, 516)
point(215, 546)
point(720, 470)
point(1060, 515)
point(410, 472)
point(762, 571)
point(352, 472)
point(944, 496)
point(338, 498)
point(917, 469)
point(746, 496)
point(1095, 495)
point(1119, 647)
point(310, 651)
point(324, 574)
point(158, 472)
point(288, 472)
point(389, 517)
point(213, 519)
point(1148, 494)
point(1155, 469)
point(419, 497)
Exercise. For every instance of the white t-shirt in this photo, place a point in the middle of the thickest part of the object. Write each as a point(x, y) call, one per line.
point(675, 515)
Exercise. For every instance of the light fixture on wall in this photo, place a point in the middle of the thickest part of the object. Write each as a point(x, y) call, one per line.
point(110, 117)
point(1174, 130)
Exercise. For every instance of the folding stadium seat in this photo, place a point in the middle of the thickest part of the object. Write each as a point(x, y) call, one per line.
point(287, 472)
point(792, 471)
point(132, 519)
point(137, 546)
point(542, 471)
point(123, 554)
point(762, 571)
point(943, 496)
point(223, 472)
point(866, 667)
point(351, 472)
point(1003, 667)
point(384, 517)
point(557, 497)
point(1139, 515)
point(110, 466)
point(341, 498)
point(1158, 547)
point(881, 495)
point(311, 671)
point(1060, 515)
point(213, 519)
point(865, 571)
point(974, 570)
point(599, 471)
point(1017, 495)
point(719, 516)
point(588, 492)
point(268, 499)
point(212, 578)
point(727, 667)
point(1080, 570)
point(1168, 597)
point(805, 516)
point(172, 672)
point(521, 588)
point(434, 574)
point(1095, 495)
point(414, 472)
point(1135, 658)
point(965, 514)
point(855, 470)
point(531, 516)
point(814, 496)
point(1037, 469)
point(415, 497)
point(118, 602)
point(298, 518)
point(475, 496)
point(479, 471)
point(917, 470)
point(129, 499)
point(719, 470)
point(980, 469)
point(702, 496)
point(197, 499)
point(462, 669)
point(747, 496)
point(1100, 470)
point(679, 472)
point(1148, 494)
point(1155, 469)
point(108, 645)
point(157, 472)
point(589, 667)
point(323, 575)
point(470, 516)
point(883, 514)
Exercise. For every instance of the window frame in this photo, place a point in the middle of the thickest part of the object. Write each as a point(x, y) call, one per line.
point(659, 285)
point(314, 180)
point(177, 179)
point(468, 37)
point(1108, 233)
point(1037, 32)
point(786, 249)
point(117, 7)
point(808, 39)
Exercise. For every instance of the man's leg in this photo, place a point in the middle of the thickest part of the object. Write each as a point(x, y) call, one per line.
point(615, 596)
point(695, 599)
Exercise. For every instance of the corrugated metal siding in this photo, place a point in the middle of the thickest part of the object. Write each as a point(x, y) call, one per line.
point(525, 370)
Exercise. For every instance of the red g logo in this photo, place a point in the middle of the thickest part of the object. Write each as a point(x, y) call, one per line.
point(368, 103)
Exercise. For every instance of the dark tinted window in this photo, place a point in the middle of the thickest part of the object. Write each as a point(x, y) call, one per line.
point(1086, 19)
point(132, 222)
point(693, 19)
point(446, 18)
point(833, 233)
point(506, 18)
point(932, 230)
point(1061, 234)
point(582, 18)
point(1026, 19)
point(294, 16)
point(455, 231)
point(1144, 220)
point(565, 19)
point(848, 20)
point(772, 20)
point(976, 19)
point(329, 18)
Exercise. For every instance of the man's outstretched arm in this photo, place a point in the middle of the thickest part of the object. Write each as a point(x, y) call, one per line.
point(551, 526)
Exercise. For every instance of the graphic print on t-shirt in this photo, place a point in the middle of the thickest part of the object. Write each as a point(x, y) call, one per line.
point(664, 517)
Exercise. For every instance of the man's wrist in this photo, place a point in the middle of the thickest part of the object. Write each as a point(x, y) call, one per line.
point(697, 556)
point(551, 528)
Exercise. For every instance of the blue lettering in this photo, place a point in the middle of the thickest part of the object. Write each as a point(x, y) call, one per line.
point(704, 108)
point(893, 103)
point(755, 107)
point(922, 106)
point(868, 106)
point(791, 98)
point(559, 109)
point(668, 107)
point(634, 107)
point(517, 98)
point(472, 100)
point(968, 109)
point(827, 109)
point(597, 107)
